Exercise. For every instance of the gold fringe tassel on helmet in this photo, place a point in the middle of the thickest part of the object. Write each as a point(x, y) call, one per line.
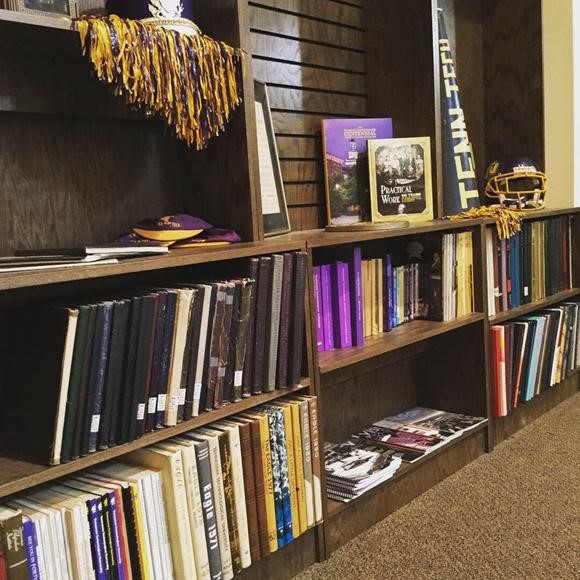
point(192, 81)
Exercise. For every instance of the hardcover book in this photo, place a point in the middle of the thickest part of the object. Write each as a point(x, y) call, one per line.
point(344, 143)
point(400, 179)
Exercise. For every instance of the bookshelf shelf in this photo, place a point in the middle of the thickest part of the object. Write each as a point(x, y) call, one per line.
point(174, 259)
point(18, 474)
point(402, 336)
point(336, 507)
point(538, 305)
point(503, 427)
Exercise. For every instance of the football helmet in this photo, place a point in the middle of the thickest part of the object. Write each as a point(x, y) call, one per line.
point(516, 183)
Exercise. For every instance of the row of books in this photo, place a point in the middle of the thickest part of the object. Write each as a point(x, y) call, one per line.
point(355, 298)
point(373, 455)
point(105, 372)
point(203, 505)
point(532, 353)
point(534, 263)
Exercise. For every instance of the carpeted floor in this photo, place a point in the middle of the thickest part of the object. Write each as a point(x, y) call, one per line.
point(512, 514)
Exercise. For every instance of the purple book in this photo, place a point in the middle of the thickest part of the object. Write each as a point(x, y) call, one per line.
point(325, 284)
point(341, 305)
point(318, 308)
point(388, 295)
point(354, 260)
point(346, 173)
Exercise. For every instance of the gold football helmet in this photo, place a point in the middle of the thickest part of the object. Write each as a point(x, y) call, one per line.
point(516, 183)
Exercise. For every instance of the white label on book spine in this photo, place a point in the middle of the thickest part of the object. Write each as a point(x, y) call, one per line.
point(213, 361)
point(526, 291)
point(182, 396)
point(95, 422)
point(197, 391)
point(238, 375)
point(152, 405)
point(161, 402)
point(220, 296)
point(222, 372)
point(173, 403)
point(229, 299)
point(140, 411)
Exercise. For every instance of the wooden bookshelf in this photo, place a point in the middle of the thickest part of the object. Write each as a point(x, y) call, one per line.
point(79, 168)
point(19, 474)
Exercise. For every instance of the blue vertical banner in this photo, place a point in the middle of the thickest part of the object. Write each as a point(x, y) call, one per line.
point(459, 182)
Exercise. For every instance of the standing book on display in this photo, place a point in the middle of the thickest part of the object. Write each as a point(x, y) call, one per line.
point(346, 182)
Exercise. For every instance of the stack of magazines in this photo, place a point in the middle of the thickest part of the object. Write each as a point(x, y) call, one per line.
point(418, 431)
point(355, 466)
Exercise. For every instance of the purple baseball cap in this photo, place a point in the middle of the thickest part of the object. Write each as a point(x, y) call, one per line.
point(211, 237)
point(171, 228)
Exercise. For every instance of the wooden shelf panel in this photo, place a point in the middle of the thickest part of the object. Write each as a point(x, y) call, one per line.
point(322, 238)
point(503, 427)
point(402, 336)
point(538, 305)
point(336, 507)
point(19, 474)
point(174, 259)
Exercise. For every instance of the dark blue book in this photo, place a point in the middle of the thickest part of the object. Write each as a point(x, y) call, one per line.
point(116, 362)
point(97, 377)
point(31, 546)
point(97, 540)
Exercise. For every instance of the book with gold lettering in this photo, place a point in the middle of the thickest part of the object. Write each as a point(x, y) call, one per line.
point(400, 179)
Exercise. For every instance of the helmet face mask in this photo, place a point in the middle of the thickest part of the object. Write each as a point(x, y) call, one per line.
point(516, 183)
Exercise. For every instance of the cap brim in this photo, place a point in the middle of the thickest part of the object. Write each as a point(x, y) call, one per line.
point(167, 235)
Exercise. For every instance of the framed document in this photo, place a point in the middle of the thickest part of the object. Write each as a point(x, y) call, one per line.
point(274, 208)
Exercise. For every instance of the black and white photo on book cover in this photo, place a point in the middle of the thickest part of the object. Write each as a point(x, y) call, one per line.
point(400, 179)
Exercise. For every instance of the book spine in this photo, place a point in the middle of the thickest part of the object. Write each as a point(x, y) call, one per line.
point(388, 294)
point(241, 513)
point(344, 300)
point(273, 327)
point(206, 290)
point(186, 387)
point(214, 346)
point(221, 509)
point(250, 490)
point(241, 343)
point(97, 543)
point(285, 317)
point(260, 483)
point(307, 461)
point(248, 375)
point(14, 547)
point(224, 345)
point(268, 477)
point(297, 327)
point(31, 547)
point(233, 344)
point(356, 295)
point(189, 376)
point(291, 468)
point(299, 466)
point(320, 346)
point(276, 478)
point(156, 362)
point(143, 360)
point(230, 502)
point(316, 460)
point(260, 326)
point(209, 510)
point(166, 354)
point(327, 319)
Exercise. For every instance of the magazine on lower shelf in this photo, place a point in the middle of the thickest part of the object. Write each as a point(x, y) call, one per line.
point(355, 466)
point(418, 431)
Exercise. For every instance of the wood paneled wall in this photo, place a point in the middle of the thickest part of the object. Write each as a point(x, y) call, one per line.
point(311, 55)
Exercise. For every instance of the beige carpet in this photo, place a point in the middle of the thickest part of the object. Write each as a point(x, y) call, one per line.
point(511, 514)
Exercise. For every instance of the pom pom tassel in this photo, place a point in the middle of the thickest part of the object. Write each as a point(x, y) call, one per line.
point(192, 81)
